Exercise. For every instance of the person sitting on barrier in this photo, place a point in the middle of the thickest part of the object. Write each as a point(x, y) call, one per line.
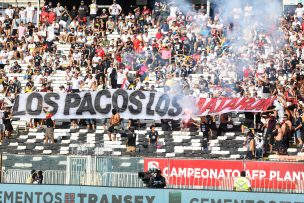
point(242, 183)
point(30, 178)
point(114, 124)
point(39, 177)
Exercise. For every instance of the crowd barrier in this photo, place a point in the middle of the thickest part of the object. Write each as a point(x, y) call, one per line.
point(126, 179)
point(68, 194)
point(179, 173)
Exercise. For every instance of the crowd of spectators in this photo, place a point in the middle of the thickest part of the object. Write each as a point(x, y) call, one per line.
point(186, 44)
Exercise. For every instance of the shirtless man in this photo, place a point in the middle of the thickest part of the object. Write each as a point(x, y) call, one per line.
point(279, 137)
point(114, 122)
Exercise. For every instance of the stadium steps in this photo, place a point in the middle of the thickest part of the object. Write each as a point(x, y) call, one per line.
point(88, 142)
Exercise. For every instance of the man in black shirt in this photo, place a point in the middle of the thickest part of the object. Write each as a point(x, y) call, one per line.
point(16, 67)
point(157, 181)
point(82, 12)
point(37, 59)
point(249, 122)
point(73, 13)
point(131, 140)
point(153, 136)
point(50, 125)
point(30, 28)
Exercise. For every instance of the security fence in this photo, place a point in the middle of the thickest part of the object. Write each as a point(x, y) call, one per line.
point(123, 172)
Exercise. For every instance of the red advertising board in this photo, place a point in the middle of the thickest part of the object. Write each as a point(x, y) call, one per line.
point(218, 173)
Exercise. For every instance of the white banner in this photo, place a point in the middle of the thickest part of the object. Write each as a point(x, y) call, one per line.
point(130, 104)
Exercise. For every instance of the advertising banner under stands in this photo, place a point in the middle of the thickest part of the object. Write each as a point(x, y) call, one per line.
point(15, 193)
point(130, 104)
point(219, 173)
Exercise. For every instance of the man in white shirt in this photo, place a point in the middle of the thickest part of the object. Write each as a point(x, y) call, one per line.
point(9, 12)
point(93, 10)
point(30, 11)
point(95, 60)
point(115, 9)
point(299, 12)
point(75, 83)
point(22, 15)
point(51, 32)
point(2, 18)
point(120, 78)
point(58, 10)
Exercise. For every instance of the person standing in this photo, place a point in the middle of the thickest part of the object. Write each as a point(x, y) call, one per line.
point(82, 13)
point(7, 116)
point(298, 128)
point(2, 128)
point(131, 140)
point(114, 123)
point(50, 125)
point(153, 136)
point(114, 10)
point(242, 183)
point(58, 10)
point(30, 12)
point(93, 11)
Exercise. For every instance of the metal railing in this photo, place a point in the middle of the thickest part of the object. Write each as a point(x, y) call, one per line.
point(125, 179)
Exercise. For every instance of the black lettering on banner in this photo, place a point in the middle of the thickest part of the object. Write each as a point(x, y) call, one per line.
point(81, 196)
point(28, 197)
point(71, 101)
point(92, 198)
point(128, 199)
point(8, 196)
point(38, 194)
point(115, 96)
point(48, 197)
point(104, 199)
point(29, 102)
point(194, 200)
point(213, 201)
point(58, 198)
point(227, 200)
point(19, 197)
point(260, 201)
point(249, 201)
point(97, 102)
point(204, 200)
point(16, 111)
point(150, 112)
point(86, 105)
point(150, 199)
point(48, 100)
point(162, 111)
point(138, 199)
point(136, 102)
point(176, 105)
point(116, 198)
